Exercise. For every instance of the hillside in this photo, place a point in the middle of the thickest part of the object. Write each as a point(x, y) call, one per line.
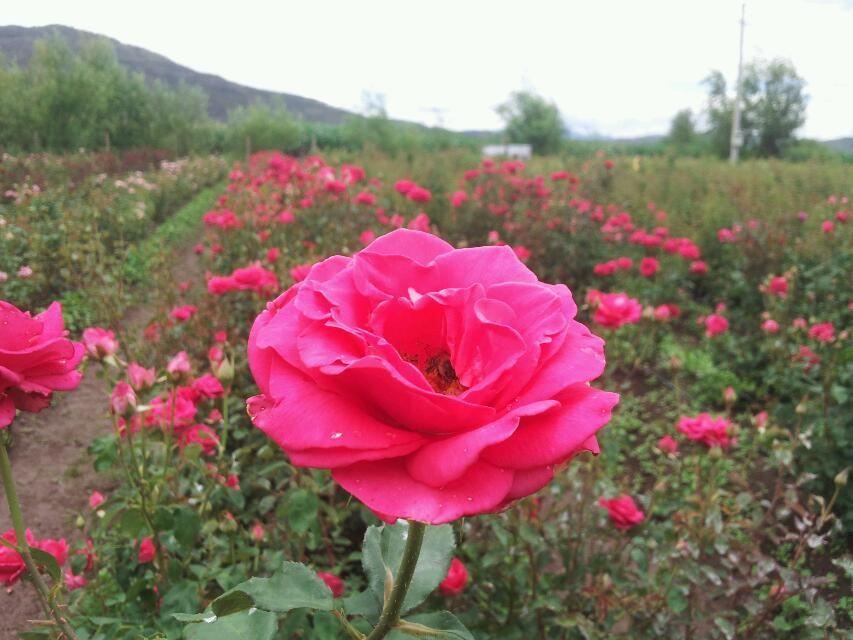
point(17, 43)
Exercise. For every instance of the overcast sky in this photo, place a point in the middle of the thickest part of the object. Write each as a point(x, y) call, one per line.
point(614, 67)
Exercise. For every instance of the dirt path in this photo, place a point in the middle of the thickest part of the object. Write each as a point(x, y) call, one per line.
point(53, 473)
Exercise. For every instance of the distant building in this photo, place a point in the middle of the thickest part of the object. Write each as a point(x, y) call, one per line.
point(508, 150)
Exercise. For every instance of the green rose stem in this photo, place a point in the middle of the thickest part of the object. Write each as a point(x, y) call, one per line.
point(21, 534)
point(391, 610)
point(137, 480)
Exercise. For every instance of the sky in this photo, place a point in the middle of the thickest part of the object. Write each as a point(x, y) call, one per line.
point(618, 68)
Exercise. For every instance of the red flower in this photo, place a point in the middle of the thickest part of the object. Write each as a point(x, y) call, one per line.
point(614, 309)
point(184, 313)
point(365, 197)
point(668, 444)
point(99, 343)
point(649, 267)
point(12, 565)
point(707, 430)
point(333, 582)
point(623, 512)
point(456, 579)
point(404, 186)
point(201, 435)
point(36, 359)
point(146, 551)
point(418, 194)
point(458, 198)
point(778, 286)
point(823, 332)
point(715, 324)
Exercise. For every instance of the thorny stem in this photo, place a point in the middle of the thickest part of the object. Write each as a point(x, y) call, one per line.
point(24, 549)
point(391, 610)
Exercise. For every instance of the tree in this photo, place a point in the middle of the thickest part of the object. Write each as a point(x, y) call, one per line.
point(773, 108)
point(682, 131)
point(266, 125)
point(532, 119)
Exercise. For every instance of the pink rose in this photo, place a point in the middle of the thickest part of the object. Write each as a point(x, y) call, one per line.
point(612, 310)
point(457, 578)
point(178, 413)
point(715, 324)
point(96, 499)
point(365, 197)
point(12, 565)
point(770, 326)
point(201, 435)
point(698, 267)
point(123, 400)
point(822, 332)
point(36, 359)
point(434, 383)
point(179, 366)
point(649, 267)
point(147, 551)
point(623, 512)
point(333, 582)
point(300, 272)
point(778, 286)
point(183, 313)
point(140, 378)
point(99, 342)
point(419, 194)
point(404, 186)
point(72, 582)
point(458, 199)
point(707, 430)
point(207, 386)
point(668, 444)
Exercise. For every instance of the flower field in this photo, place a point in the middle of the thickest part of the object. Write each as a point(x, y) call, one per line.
point(439, 396)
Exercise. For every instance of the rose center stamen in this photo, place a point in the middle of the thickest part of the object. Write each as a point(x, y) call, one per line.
point(438, 371)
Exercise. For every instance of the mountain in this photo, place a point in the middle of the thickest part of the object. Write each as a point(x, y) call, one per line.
point(17, 43)
point(842, 145)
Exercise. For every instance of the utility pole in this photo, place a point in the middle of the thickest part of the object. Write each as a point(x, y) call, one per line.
point(737, 136)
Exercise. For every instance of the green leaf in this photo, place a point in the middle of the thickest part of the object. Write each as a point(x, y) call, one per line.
point(364, 603)
point(132, 523)
point(232, 602)
point(252, 624)
point(190, 617)
point(187, 527)
point(301, 510)
point(43, 558)
point(383, 549)
point(441, 624)
point(295, 586)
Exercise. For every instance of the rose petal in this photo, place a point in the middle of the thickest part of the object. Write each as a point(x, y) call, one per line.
point(445, 460)
point(386, 487)
point(553, 437)
point(335, 423)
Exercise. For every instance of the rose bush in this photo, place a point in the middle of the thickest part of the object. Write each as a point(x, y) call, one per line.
point(435, 383)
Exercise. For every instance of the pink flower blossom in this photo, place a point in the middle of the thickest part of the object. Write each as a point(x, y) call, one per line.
point(707, 430)
point(623, 512)
point(36, 359)
point(442, 417)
